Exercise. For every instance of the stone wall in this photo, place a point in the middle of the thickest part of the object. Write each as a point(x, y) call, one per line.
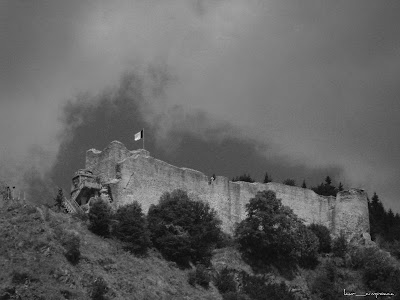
point(136, 176)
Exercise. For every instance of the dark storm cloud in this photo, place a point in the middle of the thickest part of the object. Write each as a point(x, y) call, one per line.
point(310, 84)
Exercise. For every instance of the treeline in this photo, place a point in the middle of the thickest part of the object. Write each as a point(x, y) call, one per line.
point(385, 225)
point(325, 188)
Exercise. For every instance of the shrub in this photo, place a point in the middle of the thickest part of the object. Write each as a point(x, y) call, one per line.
point(381, 271)
point(131, 228)
point(19, 277)
point(225, 281)
point(289, 181)
point(339, 247)
point(99, 289)
point(255, 288)
point(182, 229)
point(325, 285)
point(71, 243)
point(99, 217)
point(225, 240)
point(234, 296)
point(324, 237)
point(308, 247)
point(199, 276)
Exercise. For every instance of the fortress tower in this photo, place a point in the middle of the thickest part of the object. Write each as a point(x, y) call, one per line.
point(136, 176)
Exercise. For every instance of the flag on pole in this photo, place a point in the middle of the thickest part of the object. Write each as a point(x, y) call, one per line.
point(139, 135)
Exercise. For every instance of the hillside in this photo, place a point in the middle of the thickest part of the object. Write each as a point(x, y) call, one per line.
point(33, 265)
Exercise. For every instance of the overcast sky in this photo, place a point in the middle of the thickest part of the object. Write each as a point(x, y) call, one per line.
point(301, 89)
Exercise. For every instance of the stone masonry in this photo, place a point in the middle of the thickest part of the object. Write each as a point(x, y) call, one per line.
point(136, 176)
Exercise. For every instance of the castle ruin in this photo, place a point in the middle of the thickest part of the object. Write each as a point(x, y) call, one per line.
point(136, 176)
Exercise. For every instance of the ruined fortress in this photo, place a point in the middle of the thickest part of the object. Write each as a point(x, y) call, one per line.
point(136, 176)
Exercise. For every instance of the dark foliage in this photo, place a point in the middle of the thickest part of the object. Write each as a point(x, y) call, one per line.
point(233, 284)
point(59, 199)
point(267, 178)
point(234, 296)
point(325, 285)
point(225, 281)
point(381, 272)
point(184, 230)
point(289, 181)
point(245, 177)
point(71, 243)
point(324, 237)
point(255, 288)
point(303, 185)
point(326, 189)
point(225, 240)
point(339, 247)
point(199, 276)
point(308, 245)
point(272, 233)
point(73, 254)
point(19, 277)
point(99, 289)
point(100, 218)
point(131, 228)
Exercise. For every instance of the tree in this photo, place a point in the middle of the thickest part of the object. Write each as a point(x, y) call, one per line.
point(326, 189)
point(267, 178)
point(324, 237)
point(59, 199)
point(328, 180)
point(131, 228)
point(290, 182)
point(100, 214)
point(304, 186)
point(271, 232)
point(182, 229)
point(245, 177)
point(376, 216)
point(340, 188)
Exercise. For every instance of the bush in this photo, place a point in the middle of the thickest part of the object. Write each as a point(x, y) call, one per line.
point(225, 240)
point(326, 286)
point(225, 281)
point(381, 271)
point(234, 296)
point(131, 228)
point(19, 277)
point(255, 288)
point(182, 229)
point(324, 237)
point(339, 247)
point(199, 276)
point(71, 243)
point(99, 289)
point(308, 247)
point(100, 217)
point(272, 233)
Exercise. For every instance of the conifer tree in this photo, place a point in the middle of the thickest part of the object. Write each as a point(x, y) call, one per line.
point(328, 180)
point(304, 186)
point(59, 199)
point(267, 178)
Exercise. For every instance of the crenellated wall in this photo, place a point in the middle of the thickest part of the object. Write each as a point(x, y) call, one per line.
point(136, 176)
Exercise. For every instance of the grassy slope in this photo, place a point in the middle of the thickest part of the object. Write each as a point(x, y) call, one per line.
point(33, 265)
